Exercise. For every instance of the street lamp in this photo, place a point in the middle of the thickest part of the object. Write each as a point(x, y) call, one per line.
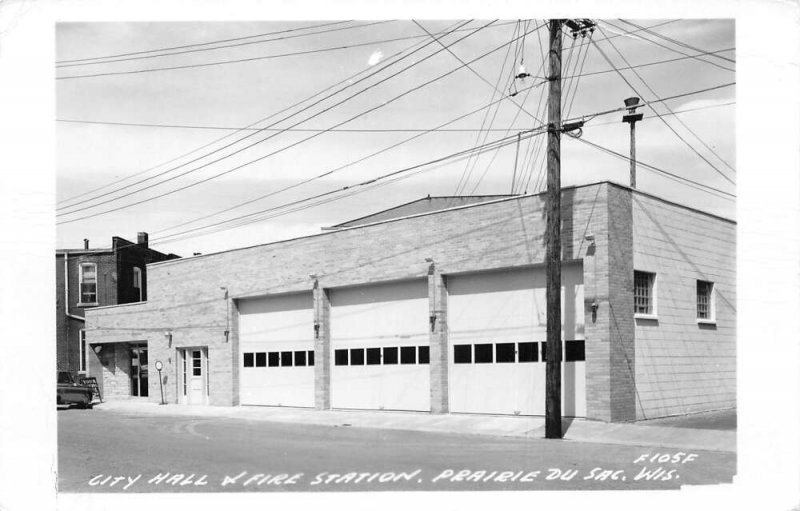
point(160, 366)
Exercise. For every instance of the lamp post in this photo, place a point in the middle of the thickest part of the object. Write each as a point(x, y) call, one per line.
point(631, 118)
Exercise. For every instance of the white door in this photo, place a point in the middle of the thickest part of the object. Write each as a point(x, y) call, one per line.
point(497, 324)
point(379, 338)
point(194, 377)
point(276, 350)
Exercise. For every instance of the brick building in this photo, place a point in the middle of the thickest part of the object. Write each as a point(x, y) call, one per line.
point(92, 277)
point(444, 310)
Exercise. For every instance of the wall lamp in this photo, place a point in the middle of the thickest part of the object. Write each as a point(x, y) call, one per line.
point(168, 337)
point(589, 238)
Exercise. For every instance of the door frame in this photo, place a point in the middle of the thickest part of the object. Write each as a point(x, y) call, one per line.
point(184, 357)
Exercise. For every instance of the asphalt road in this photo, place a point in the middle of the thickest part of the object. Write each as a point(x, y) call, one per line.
point(110, 451)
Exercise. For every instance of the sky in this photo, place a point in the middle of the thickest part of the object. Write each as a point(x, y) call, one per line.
point(131, 164)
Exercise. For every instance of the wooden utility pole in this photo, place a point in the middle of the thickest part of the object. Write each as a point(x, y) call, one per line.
point(553, 238)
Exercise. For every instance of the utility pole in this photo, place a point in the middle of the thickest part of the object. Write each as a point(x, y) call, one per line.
point(552, 427)
point(632, 118)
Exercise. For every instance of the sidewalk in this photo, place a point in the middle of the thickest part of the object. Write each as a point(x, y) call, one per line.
point(577, 430)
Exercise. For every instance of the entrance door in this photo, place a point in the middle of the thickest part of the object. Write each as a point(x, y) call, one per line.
point(195, 388)
point(138, 355)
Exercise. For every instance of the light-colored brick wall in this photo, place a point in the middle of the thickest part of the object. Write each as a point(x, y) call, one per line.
point(682, 366)
point(186, 299)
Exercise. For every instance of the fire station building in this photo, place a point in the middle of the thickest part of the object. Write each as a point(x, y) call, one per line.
point(443, 311)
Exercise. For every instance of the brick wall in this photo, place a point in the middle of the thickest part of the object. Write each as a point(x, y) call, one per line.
point(185, 296)
point(683, 366)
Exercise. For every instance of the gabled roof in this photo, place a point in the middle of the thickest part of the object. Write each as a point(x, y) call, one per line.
point(425, 205)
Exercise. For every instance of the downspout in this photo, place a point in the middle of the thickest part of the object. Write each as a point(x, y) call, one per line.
point(66, 291)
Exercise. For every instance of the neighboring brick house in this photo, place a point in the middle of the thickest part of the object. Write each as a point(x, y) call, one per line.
point(444, 311)
point(90, 277)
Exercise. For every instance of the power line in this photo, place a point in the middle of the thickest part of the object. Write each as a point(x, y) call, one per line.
point(315, 135)
point(371, 74)
point(674, 41)
point(640, 36)
point(337, 169)
point(182, 52)
point(203, 44)
point(694, 184)
point(657, 113)
point(346, 80)
point(237, 61)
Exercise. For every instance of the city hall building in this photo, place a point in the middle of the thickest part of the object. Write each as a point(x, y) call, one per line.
point(442, 309)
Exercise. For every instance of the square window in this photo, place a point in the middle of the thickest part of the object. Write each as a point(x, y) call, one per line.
point(373, 356)
point(462, 354)
point(705, 300)
point(357, 357)
point(274, 359)
point(424, 354)
point(286, 358)
point(408, 354)
point(483, 353)
point(248, 360)
point(311, 358)
point(528, 351)
point(504, 352)
point(389, 356)
point(574, 351)
point(299, 358)
point(340, 357)
point(644, 292)
point(261, 360)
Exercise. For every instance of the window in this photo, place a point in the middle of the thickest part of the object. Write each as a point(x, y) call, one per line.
point(299, 358)
point(311, 358)
point(644, 293)
point(373, 356)
point(462, 354)
point(340, 357)
point(504, 352)
point(389, 356)
point(248, 360)
point(528, 352)
point(87, 276)
point(137, 283)
point(408, 355)
point(286, 359)
point(82, 354)
point(273, 357)
point(357, 357)
point(483, 353)
point(574, 351)
point(424, 354)
point(261, 359)
point(705, 300)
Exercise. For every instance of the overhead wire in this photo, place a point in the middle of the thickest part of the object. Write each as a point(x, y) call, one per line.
point(235, 45)
point(383, 67)
point(322, 91)
point(308, 138)
point(659, 115)
point(674, 41)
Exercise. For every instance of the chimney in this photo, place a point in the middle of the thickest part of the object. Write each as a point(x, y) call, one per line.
point(85, 243)
point(141, 239)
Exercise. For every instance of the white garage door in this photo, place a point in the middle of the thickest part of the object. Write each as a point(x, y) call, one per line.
point(497, 332)
point(379, 337)
point(276, 336)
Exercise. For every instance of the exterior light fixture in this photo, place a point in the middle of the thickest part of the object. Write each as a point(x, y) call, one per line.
point(168, 337)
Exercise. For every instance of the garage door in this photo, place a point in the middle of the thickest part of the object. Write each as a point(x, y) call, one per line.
point(497, 332)
point(379, 337)
point(276, 336)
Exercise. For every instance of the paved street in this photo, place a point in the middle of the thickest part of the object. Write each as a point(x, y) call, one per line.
point(118, 451)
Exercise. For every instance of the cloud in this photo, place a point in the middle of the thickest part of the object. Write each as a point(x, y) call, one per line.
point(376, 57)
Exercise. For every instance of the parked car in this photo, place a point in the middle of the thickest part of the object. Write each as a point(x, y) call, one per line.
point(68, 392)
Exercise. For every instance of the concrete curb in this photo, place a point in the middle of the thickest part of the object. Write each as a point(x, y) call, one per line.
point(577, 430)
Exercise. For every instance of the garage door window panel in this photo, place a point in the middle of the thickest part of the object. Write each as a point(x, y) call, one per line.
point(273, 359)
point(390, 356)
point(357, 357)
point(249, 360)
point(505, 353)
point(462, 354)
point(424, 354)
point(483, 353)
point(528, 351)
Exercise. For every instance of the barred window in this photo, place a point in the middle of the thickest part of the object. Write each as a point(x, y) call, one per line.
point(704, 299)
point(643, 295)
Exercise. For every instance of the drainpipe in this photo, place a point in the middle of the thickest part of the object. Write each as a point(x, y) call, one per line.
point(66, 291)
